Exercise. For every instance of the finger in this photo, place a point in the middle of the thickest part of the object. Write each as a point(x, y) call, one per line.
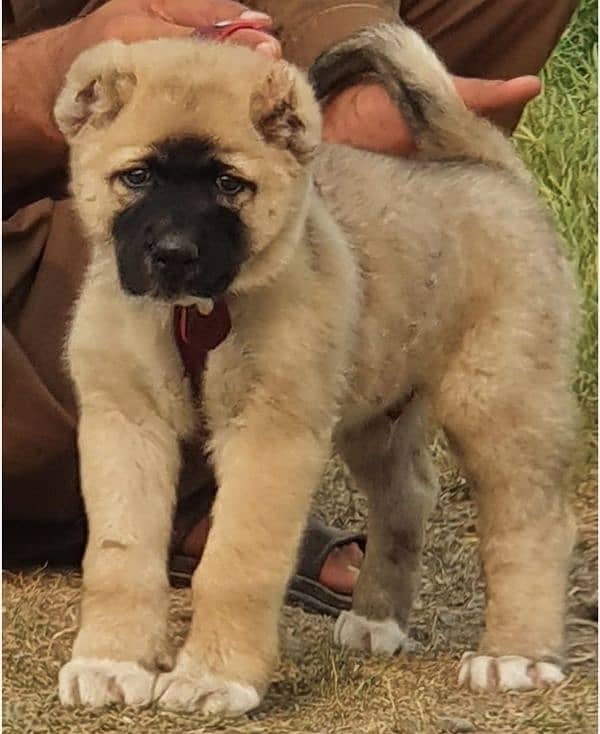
point(261, 42)
point(194, 13)
point(142, 28)
point(365, 117)
point(485, 95)
point(146, 27)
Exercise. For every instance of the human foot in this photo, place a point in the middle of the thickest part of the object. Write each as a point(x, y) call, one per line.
point(338, 571)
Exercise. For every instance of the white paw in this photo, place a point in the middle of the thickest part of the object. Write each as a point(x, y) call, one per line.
point(188, 688)
point(506, 673)
point(358, 632)
point(98, 682)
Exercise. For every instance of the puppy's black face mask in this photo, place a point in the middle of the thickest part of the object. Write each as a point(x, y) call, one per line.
point(183, 235)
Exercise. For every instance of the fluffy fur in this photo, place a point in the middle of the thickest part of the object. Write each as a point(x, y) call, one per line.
point(369, 288)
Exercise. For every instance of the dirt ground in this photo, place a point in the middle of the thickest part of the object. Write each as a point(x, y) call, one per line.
point(319, 688)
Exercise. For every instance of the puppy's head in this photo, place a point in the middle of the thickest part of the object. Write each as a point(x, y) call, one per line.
point(190, 162)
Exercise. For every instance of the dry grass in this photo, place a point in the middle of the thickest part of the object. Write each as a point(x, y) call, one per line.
point(319, 688)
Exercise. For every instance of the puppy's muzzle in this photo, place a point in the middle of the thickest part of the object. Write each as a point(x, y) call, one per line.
point(173, 254)
point(174, 261)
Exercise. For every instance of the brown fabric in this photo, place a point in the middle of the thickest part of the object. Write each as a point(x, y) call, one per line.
point(46, 244)
point(29, 16)
point(43, 260)
point(44, 255)
point(307, 27)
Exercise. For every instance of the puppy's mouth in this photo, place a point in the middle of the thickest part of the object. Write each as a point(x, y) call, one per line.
point(204, 306)
point(179, 283)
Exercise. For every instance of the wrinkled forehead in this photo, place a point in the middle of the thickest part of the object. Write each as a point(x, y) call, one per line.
point(203, 117)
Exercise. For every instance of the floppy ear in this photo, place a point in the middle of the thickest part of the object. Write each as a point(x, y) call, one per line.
point(97, 86)
point(284, 111)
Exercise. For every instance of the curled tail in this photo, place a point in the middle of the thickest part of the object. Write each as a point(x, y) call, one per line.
point(419, 84)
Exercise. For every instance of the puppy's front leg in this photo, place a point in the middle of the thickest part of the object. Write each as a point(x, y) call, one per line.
point(129, 469)
point(267, 467)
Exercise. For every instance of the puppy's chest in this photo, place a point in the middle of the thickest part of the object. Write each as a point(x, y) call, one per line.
point(280, 360)
point(145, 346)
point(226, 382)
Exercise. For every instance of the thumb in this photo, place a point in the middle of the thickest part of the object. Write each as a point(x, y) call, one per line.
point(487, 95)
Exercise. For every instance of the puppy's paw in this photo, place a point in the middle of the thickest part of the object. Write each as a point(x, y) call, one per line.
point(506, 673)
point(379, 638)
point(98, 682)
point(189, 688)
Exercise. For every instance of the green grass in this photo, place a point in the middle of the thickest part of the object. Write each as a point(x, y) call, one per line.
point(558, 140)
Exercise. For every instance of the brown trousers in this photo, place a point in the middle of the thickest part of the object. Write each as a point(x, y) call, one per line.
point(44, 259)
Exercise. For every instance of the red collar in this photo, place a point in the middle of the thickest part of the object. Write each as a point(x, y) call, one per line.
point(196, 335)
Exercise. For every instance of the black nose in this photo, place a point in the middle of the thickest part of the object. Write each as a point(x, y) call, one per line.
point(174, 250)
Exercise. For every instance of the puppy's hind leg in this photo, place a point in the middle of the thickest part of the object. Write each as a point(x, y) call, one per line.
point(507, 410)
point(390, 462)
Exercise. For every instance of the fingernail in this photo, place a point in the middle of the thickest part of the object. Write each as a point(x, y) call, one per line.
point(353, 570)
point(253, 15)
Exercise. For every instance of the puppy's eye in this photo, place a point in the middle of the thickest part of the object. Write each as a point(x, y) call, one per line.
point(230, 185)
point(136, 178)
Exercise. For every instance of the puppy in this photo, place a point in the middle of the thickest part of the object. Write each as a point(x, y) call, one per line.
point(352, 281)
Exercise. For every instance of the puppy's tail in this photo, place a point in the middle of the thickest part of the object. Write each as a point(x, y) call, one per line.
point(420, 85)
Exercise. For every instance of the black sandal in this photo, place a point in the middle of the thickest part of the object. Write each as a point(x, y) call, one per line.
point(304, 589)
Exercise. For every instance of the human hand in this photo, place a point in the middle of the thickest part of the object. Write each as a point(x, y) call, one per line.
point(137, 20)
point(34, 68)
point(364, 116)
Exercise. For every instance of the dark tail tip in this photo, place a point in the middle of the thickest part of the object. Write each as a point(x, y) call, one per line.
point(353, 62)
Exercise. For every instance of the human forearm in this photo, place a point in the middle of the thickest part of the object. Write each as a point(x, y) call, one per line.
point(32, 147)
